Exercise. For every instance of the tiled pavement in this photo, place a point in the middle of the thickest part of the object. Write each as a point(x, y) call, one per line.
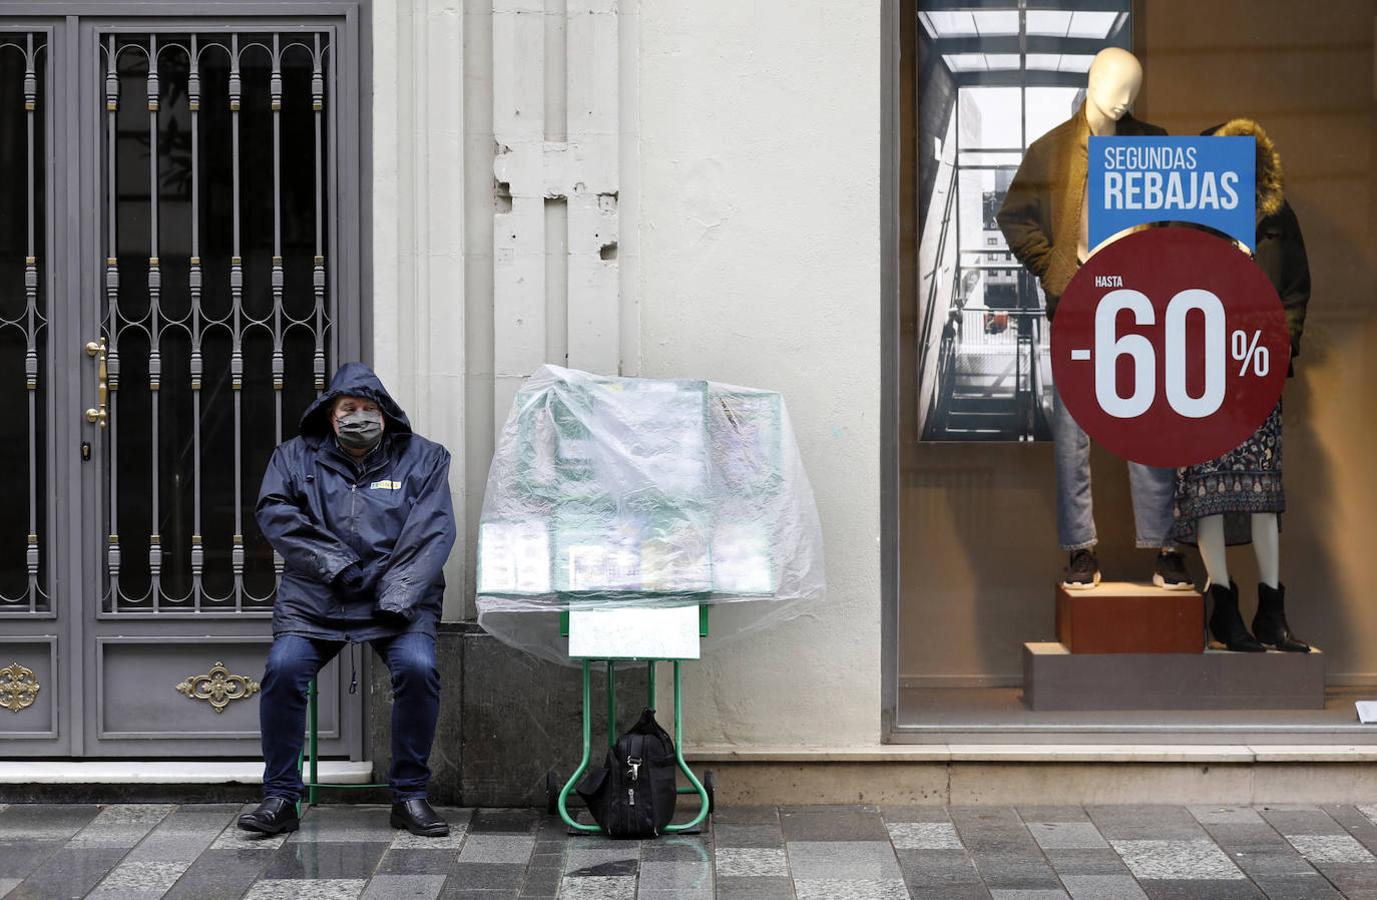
point(801, 853)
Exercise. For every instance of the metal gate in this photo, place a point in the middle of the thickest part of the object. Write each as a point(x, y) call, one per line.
point(178, 275)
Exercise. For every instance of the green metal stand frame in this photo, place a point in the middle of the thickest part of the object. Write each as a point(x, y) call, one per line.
point(694, 787)
point(310, 752)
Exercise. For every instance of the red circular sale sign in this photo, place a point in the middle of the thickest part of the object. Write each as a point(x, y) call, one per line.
point(1170, 347)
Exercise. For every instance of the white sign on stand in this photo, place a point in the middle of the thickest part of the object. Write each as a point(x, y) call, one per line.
point(634, 632)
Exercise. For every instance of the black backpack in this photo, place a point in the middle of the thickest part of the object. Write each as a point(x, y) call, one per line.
point(633, 794)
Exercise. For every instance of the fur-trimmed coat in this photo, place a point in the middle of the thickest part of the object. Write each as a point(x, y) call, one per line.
point(1279, 248)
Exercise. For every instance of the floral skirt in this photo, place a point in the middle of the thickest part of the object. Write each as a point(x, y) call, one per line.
point(1244, 481)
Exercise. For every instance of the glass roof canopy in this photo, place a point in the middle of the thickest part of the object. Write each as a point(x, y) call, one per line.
point(980, 39)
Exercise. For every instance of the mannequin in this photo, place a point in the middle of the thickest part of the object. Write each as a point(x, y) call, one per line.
point(1238, 497)
point(1044, 219)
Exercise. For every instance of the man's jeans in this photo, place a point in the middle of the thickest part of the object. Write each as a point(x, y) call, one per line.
point(1152, 489)
point(294, 660)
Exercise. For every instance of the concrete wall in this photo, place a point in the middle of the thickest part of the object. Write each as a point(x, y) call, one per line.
point(979, 522)
point(760, 265)
point(731, 152)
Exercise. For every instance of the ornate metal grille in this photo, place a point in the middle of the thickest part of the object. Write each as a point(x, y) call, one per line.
point(216, 319)
point(24, 360)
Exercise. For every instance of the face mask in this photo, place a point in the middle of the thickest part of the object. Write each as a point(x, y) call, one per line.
point(360, 430)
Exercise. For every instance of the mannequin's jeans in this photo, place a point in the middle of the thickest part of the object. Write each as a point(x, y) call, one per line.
point(294, 660)
point(1153, 489)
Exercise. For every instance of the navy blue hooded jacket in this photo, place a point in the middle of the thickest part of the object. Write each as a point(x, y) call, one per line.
point(389, 513)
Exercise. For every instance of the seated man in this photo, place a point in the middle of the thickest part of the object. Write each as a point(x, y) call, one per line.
point(359, 509)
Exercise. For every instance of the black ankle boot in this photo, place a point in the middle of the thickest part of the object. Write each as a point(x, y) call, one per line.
point(1226, 623)
point(1270, 622)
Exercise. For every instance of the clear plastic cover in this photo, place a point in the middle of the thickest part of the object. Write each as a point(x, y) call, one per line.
point(608, 492)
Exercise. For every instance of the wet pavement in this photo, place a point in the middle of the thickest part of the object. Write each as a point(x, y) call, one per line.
point(801, 853)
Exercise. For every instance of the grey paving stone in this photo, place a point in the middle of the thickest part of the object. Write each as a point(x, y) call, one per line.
point(497, 848)
point(220, 886)
point(1350, 878)
point(1187, 889)
point(914, 814)
point(610, 859)
point(505, 821)
point(754, 888)
point(751, 861)
point(487, 876)
point(1052, 814)
point(236, 838)
point(1301, 820)
point(923, 836)
point(405, 840)
point(7, 884)
point(1067, 835)
point(322, 889)
point(950, 892)
point(1102, 887)
point(44, 822)
point(541, 882)
point(1173, 859)
point(746, 815)
point(388, 887)
point(930, 869)
point(699, 893)
point(1033, 894)
point(1268, 861)
point(1085, 862)
point(832, 823)
point(19, 858)
point(326, 860)
point(1247, 836)
point(120, 825)
point(1127, 823)
point(843, 861)
point(748, 836)
point(344, 825)
point(1330, 848)
point(417, 862)
point(1296, 887)
point(1015, 871)
point(688, 877)
point(677, 848)
point(1225, 815)
point(850, 889)
point(621, 887)
point(68, 873)
point(139, 879)
point(182, 846)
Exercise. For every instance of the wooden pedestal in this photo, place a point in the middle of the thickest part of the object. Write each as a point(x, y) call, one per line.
point(1121, 617)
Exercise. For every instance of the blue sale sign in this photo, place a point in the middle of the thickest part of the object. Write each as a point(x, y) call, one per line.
point(1140, 180)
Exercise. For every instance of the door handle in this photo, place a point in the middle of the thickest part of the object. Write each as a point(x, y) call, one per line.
point(99, 416)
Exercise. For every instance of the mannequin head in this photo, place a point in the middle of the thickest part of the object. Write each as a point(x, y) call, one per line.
point(1115, 77)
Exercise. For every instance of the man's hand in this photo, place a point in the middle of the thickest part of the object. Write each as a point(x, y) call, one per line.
point(350, 579)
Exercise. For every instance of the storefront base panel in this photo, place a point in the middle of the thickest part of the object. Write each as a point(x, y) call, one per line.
point(997, 715)
point(1056, 679)
point(1001, 784)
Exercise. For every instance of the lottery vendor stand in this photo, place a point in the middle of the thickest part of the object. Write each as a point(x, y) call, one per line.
point(619, 511)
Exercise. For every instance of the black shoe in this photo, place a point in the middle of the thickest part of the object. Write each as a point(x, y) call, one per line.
point(1171, 573)
point(1270, 622)
point(1226, 623)
point(417, 817)
point(1083, 572)
point(273, 816)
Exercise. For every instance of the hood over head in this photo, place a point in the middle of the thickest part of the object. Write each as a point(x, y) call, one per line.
point(1270, 195)
point(353, 379)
